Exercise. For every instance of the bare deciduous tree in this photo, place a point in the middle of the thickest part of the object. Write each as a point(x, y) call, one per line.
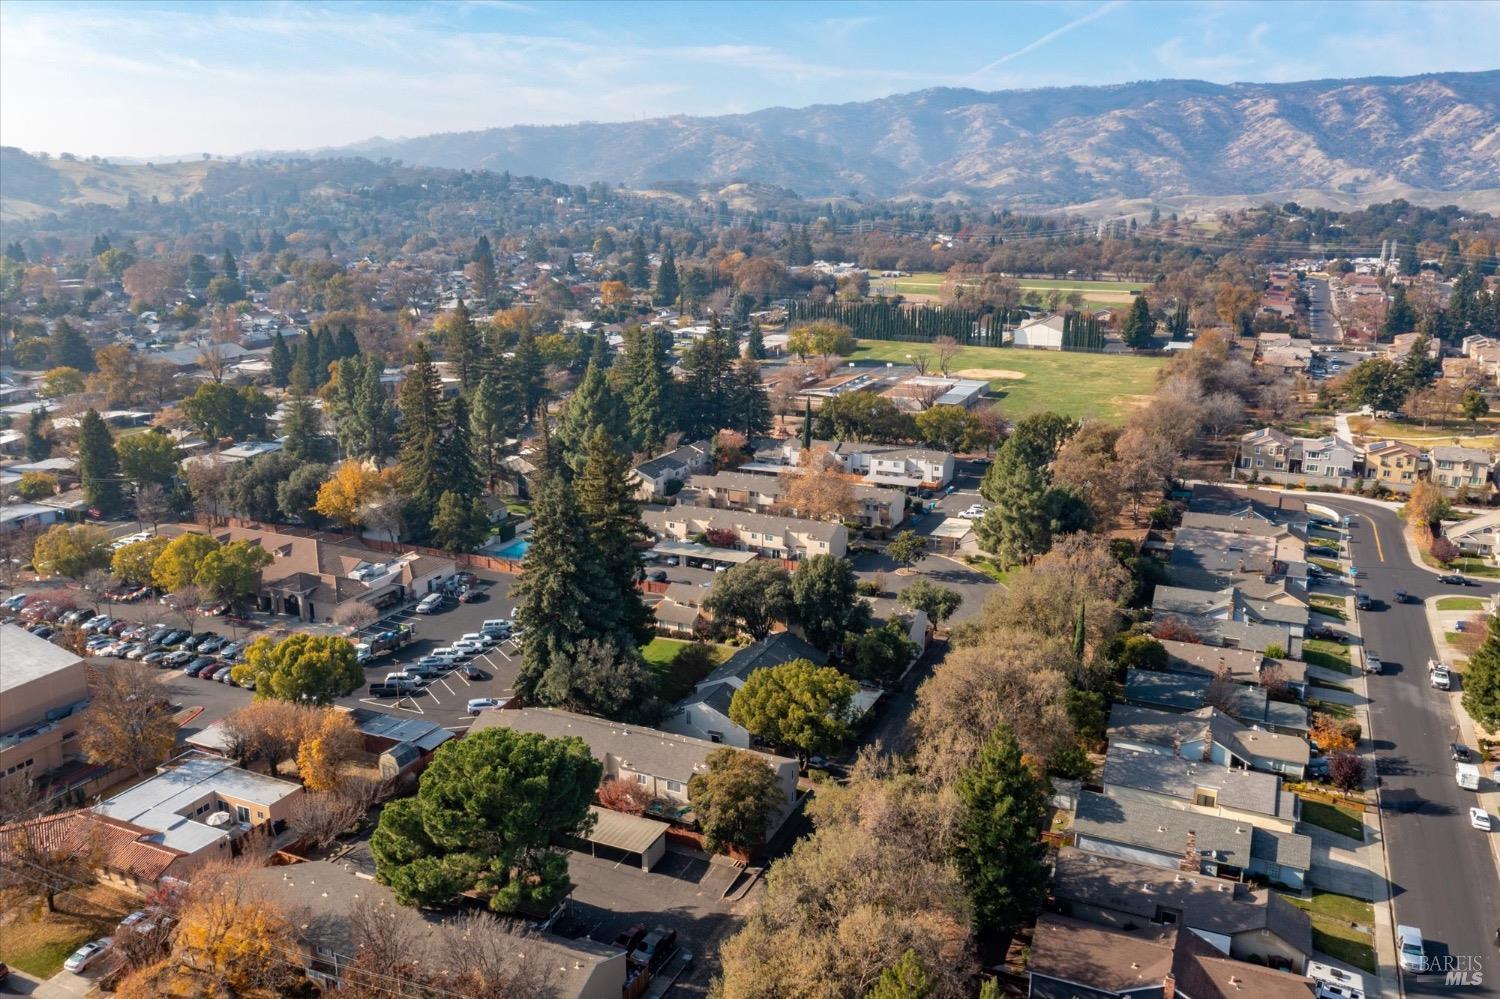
point(946, 348)
point(128, 725)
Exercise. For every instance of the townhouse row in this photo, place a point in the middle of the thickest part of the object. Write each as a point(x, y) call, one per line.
point(1268, 455)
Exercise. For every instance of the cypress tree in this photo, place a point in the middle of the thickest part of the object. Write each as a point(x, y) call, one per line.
point(807, 425)
point(228, 267)
point(638, 271)
point(346, 344)
point(460, 474)
point(281, 362)
point(38, 444)
point(421, 441)
point(667, 287)
point(755, 344)
point(98, 464)
point(551, 593)
point(325, 353)
point(485, 281)
point(1138, 327)
point(998, 850)
point(461, 344)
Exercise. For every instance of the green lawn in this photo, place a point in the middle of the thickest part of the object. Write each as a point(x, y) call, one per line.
point(1342, 819)
point(1329, 685)
point(1340, 927)
point(991, 569)
point(1459, 603)
point(1467, 566)
point(1343, 712)
point(1329, 655)
point(1331, 566)
point(1107, 386)
point(673, 683)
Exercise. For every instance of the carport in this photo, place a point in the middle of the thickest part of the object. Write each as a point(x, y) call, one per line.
point(688, 550)
point(617, 833)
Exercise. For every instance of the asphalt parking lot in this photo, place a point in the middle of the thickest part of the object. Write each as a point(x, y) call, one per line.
point(444, 701)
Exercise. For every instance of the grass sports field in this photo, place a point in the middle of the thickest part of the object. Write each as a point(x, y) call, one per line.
point(1031, 381)
point(1097, 293)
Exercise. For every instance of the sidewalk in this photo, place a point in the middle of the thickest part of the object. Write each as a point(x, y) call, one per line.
point(1488, 797)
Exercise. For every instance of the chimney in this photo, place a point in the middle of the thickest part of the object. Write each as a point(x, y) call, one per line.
point(1190, 862)
point(1169, 986)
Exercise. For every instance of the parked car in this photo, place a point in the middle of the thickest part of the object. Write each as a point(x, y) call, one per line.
point(221, 675)
point(86, 955)
point(196, 667)
point(478, 636)
point(1441, 680)
point(1459, 752)
point(14, 602)
point(478, 704)
point(1372, 662)
point(657, 946)
point(1402, 597)
point(469, 647)
point(1479, 819)
point(630, 937)
point(1410, 953)
point(385, 690)
point(1456, 579)
point(430, 604)
point(1317, 768)
point(474, 673)
point(156, 658)
point(212, 644)
point(470, 596)
point(1361, 600)
point(659, 576)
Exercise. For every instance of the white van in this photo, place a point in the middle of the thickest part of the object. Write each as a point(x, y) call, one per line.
point(1409, 951)
point(1467, 775)
point(446, 656)
point(430, 603)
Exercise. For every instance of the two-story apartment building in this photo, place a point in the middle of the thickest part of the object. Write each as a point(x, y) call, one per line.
point(876, 506)
point(655, 478)
point(1393, 465)
point(764, 534)
point(1455, 468)
point(1271, 455)
point(878, 464)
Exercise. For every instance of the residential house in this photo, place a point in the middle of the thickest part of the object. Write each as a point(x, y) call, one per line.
point(1392, 465)
point(1040, 334)
point(1145, 833)
point(311, 579)
point(43, 689)
point(878, 464)
point(680, 611)
point(20, 516)
point(661, 762)
point(1240, 665)
point(1478, 536)
point(1072, 959)
point(1402, 343)
point(704, 714)
point(1273, 456)
point(659, 477)
point(321, 898)
point(876, 506)
point(1466, 469)
point(1271, 506)
point(1244, 923)
point(1287, 359)
point(1195, 786)
point(1201, 610)
point(769, 536)
point(1190, 691)
point(120, 854)
point(1207, 734)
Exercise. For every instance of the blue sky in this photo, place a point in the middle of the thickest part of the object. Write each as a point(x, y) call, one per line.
point(146, 78)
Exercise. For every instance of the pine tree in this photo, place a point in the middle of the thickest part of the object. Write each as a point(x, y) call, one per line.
point(1138, 326)
point(460, 474)
point(98, 464)
point(69, 348)
point(999, 851)
point(755, 344)
point(1400, 317)
point(752, 408)
point(667, 287)
point(551, 593)
point(906, 979)
point(421, 441)
point(529, 375)
point(1482, 680)
point(324, 353)
point(459, 524)
point(595, 405)
point(638, 272)
point(346, 344)
point(612, 523)
point(646, 384)
point(303, 425)
point(712, 382)
point(281, 362)
point(228, 267)
point(462, 345)
point(366, 421)
point(496, 418)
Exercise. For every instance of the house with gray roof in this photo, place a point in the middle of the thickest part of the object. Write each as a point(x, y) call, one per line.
point(1455, 468)
point(1274, 507)
point(878, 506)
point(1144, 833)
point(1243, 923)
point(654, 477)
point(769, 536)
point(661, 762)
point(878, 464)
point(1207, 734)
point(1240, 665)
point(1191, 691)
point(1207, 788)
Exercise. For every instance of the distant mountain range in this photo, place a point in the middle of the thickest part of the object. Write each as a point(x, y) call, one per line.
point(1431, 139)
point(1059, 146)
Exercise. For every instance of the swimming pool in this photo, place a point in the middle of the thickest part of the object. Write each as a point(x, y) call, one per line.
point(516, 549)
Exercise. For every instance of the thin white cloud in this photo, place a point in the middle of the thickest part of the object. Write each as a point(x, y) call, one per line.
point(1050, 36)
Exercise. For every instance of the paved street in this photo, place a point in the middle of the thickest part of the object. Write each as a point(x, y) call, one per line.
point(1443, 876)
point(1320, 311)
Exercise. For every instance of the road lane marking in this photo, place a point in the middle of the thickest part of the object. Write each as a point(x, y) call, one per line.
point(1379, 551)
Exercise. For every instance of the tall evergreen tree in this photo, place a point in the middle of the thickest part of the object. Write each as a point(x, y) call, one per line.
point(421, 457)
point(752, 408)
point(1400, 317)
point(496, 418)
point(303, 425)
point(228, 267)
point(645, 381)
point(345, 344)
point(595, 405)
point(485, 281)
point(462, 345)
point(755, 344)
point(529, 375)
point(807, 425)
point(612, 522)
point(1138, 326)
point(98, 464)
point(712, 382)
point(281, 362)
point(69, 349)
point(460, 473)
point(638, 270)
point(38, 442)
point(325, 352)
point(667, 287)
point(552, 591)
point(999, 851)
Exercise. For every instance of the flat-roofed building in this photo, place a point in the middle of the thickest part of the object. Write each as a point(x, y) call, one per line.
point(43, 688)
